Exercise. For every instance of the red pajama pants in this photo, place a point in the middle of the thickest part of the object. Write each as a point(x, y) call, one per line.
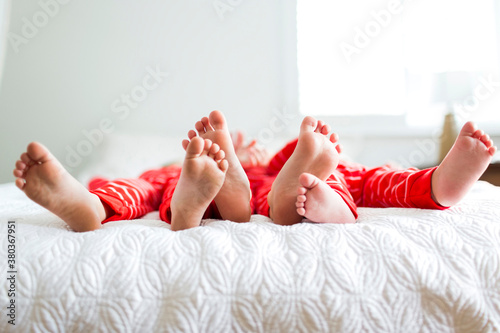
point(357, 185)
point(133, 198)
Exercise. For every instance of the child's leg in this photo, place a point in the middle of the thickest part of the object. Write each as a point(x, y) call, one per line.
point(165, 209)
point(465, 163)
point(317, 154)
point(233, 199)
point(388, 187)
point(127, 199)
point(325, 202)
point(435, 188)
point(202, 177)
point(45, 181)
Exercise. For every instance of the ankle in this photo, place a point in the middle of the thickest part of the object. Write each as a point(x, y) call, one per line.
point(182, 220)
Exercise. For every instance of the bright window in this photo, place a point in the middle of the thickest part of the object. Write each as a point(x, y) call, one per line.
point(391, 58)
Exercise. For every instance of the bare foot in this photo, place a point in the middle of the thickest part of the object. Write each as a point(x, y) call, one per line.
point(316, 153)
point(233, 200)
point(318, 202)
point(202, 176)
point(465, 163)
point(46, 182)
point(250, 154)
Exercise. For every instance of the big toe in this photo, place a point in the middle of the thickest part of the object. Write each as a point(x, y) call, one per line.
point(468, 129)
point(308, 180)
point(309, 124)
point(217, 120)
point(195, 147)
point(38, 152)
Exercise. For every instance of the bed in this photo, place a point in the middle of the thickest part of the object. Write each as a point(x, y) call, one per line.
point(395, 270)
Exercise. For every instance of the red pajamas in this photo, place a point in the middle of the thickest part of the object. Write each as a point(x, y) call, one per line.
point(357, 185)
point(133, 198)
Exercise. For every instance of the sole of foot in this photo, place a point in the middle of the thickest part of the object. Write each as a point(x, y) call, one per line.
point(203, 173)
point(463, 165)
point(318, 202)
point(233, 200)
point(317, 153)
point(45, 181)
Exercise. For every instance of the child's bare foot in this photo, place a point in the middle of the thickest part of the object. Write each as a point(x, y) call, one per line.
point(316, 153)
point(202, 176)
point(233, 200)
point(318, 202)
point(250, 154)
point(465, 163)
point(46, 182)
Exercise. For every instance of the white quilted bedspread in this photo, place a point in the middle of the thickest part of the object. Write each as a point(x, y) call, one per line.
point(396, 270)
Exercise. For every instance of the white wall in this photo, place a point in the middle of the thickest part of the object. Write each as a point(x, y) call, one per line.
point(4, 26)
point(65, 79)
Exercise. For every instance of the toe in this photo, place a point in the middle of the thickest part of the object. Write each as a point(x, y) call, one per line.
point(338, 148)
point(301, 190)
point(17, 173)
point(185, 144)
point(38, 152)
point(486, 140)
point(220, 155)
point(217, 120)
point(207, 146)
point(492, 150)
point(26, 159)
point(206, 123)
point(468, 129)
point(20, 165)
point(199, 127)
point(20, 183)
point(319, 126)
point(191, 134)
point(308, 180)
point(195, 147)
point(223, 165)
point(334, 137)
point(214, 149)
point(301, 198)
point(478, 134)
point(309, 124)
point(238, 138)
point(301, 211)
point(325, 129)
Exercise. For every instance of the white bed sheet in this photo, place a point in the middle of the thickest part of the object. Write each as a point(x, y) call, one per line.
point(396, 270)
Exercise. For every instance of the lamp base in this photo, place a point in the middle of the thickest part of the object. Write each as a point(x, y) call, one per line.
point(448, 135)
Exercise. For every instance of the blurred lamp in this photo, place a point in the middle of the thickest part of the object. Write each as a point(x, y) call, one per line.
point(450, 88)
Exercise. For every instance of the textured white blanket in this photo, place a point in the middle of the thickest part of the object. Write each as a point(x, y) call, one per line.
point(396, 270)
